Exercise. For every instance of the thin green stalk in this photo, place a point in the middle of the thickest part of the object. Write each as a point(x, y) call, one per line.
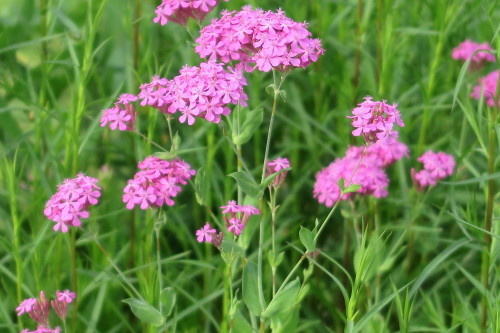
point(485, 265)
point(158, 263)
point(273, 236)
point(74, 276)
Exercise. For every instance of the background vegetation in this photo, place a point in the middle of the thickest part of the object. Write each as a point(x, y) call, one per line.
point(63, 62)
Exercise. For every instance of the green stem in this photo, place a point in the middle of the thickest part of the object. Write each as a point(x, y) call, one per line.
point(158, 263)
point(273, 237)
point(74, 277)
point(485, 265)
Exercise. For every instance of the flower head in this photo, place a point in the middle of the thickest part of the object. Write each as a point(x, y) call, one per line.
point(26, 306)
point(157, 183)
point(122, 115)
point(205, 234)
point(198, 92)
point(488, 87)
point(436, 167)
point(276, 166)
point(236, 216)
point(474, 51)
point(259, 39)
point(375, 120)
point(65, 296)
point(71, 202)
point(179, 11)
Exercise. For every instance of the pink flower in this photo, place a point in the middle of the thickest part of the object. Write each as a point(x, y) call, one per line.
point(258, 39)
point(65, 296)
point(235, 226)
point(205, 234)
point(26, 306)
point(71, 202)
point(236, 216)
point(179, 11)
point(465, 51)
point(197, 92)
point(122, 116)
point(488, 87)
point(156, 183)
point(436, 167)
point(375, 120)
point(275, 166)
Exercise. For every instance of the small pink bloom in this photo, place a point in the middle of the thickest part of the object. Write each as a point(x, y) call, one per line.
point(205, 234)
point(65, 296)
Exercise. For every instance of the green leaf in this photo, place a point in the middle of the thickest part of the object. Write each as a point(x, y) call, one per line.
point(250, 287)
point(168, 299)
point(351, 188)
point(307, 239)
point(176, 142)
point(269, 179)
point(240, 324)
point(252, 123)
point(275, 260)
point(200, 186)
point(145, 312)
point(270, 89)
point(247, 185)
point(283, 300)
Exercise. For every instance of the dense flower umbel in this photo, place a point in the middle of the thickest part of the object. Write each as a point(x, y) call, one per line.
point(122, 115)
point(259, 39)
point(275, 166)
point(370, 173)
point(488, 86)
point(436, 167)
point(39, 310)
point(203, 92)
point(375, 120)
point(179, 11)
point(71, 202)
point(157, 182)
point(465, 51)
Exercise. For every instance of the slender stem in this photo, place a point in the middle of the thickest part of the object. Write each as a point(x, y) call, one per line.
point(238, 155)
point(270, 129)
point(291, 272)
point(158, 263)
point(273, 237)
point(485, 265)
point(259, 260)
point(74, 276)
point(151, 141)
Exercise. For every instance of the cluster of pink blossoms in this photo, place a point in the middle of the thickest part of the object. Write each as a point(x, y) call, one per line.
point(375, 120)
point(259, 39)
point(202, 92)
point(488, 86)
point(436, 167)
point(157, 182)
point(275, 166)
point(39, 310)
point(235, 217)
point(71, 202)
point(122, 115)
point(370, 173)
point(465, 51)
point(179, 11)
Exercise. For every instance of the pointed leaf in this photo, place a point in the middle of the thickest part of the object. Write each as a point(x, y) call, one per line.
point(247, 185)
point(145, 312)
point(168, 299)
point(307, 239)
point(252, 123)
point(283, 300)
point(250, 287)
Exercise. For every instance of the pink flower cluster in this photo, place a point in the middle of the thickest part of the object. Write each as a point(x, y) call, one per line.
point(39, 310)
point(369, 174)
point(71, 202)
point(465, 51)
point(275, 166)
point(488, 86)
point(179, 11)
point(122, 115)
point(436, 167)
point(263, 38)
point(235, 217)
point(375, 120)
point(157, 182)
point(202, 92)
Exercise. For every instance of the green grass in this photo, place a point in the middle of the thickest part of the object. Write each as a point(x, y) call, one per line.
point(63, 62)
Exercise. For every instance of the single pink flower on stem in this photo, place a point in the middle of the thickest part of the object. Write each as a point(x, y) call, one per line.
point(65, 296)
point(236, 216)
point(205, 234)
point(122, 116)
point(60, 304)
point(26, 306)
